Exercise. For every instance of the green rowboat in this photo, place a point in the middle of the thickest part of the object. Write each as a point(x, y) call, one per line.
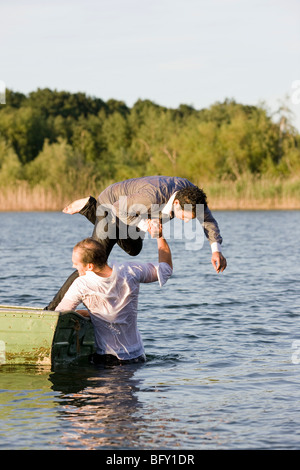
point(42, 337)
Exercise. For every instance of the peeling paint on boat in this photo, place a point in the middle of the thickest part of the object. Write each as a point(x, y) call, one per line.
point(36, 336)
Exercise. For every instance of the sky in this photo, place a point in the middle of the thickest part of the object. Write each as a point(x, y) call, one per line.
point(172, 52)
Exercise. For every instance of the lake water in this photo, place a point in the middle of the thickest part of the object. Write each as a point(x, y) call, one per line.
point(223, 369)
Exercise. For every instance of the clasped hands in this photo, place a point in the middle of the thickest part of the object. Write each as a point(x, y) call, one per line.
point(154, 227)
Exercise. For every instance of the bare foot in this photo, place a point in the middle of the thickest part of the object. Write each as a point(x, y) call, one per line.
point(75, 206)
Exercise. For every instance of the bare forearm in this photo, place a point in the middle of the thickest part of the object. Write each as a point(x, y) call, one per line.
point(164, 252)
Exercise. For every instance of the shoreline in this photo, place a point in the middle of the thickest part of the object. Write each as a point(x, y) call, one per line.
point(242, 195)
point(238, 207)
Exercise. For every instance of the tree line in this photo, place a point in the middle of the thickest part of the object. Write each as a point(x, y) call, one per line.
point(56, 138)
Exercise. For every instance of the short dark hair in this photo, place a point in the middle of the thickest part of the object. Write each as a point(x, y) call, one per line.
point(191, 196)
point(92, 252)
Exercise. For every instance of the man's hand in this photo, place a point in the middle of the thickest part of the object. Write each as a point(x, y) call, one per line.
point(218, 261)
point(154, 228)
point(84, 313)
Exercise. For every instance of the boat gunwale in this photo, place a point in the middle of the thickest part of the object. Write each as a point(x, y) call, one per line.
point(38, 310)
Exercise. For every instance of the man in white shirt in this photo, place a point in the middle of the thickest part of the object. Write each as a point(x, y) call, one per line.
point(110, 293)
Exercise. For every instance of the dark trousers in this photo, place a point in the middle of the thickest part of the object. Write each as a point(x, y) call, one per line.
point(107, 233)
point(110, 360)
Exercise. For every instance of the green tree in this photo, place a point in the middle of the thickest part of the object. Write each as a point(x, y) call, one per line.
point(11, 169)
point(24, 130)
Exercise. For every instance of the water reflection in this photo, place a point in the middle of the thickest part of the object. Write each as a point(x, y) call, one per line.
point(98, 407)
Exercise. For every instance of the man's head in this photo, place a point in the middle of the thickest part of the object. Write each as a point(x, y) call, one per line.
point(88, 255)
point(186, 201)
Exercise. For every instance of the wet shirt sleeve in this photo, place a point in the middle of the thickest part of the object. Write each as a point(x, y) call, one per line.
point(71, 299)
point(149, 272)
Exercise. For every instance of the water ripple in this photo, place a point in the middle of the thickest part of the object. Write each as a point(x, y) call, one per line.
point(220, 372)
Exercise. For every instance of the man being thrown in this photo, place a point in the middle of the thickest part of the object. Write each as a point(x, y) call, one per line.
point(110, 293)
point(122, 211)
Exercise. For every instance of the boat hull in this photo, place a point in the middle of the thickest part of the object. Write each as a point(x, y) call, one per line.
point(43, 337)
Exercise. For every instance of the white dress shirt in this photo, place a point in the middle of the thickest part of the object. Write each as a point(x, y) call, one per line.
point(113, 304)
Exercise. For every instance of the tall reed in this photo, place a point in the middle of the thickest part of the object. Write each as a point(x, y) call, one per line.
point(254, 193)
point(23, 197)
point(246, 193)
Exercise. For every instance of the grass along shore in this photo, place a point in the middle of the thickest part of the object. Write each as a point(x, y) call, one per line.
point(252, 193)
point(246, 193)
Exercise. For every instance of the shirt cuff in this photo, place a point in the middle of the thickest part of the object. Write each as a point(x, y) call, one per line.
point(164, 271)
point(143, 225)
point(215, 246)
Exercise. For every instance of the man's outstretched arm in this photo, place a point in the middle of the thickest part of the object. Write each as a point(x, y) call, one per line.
point(212, 232)
point(164, 252)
